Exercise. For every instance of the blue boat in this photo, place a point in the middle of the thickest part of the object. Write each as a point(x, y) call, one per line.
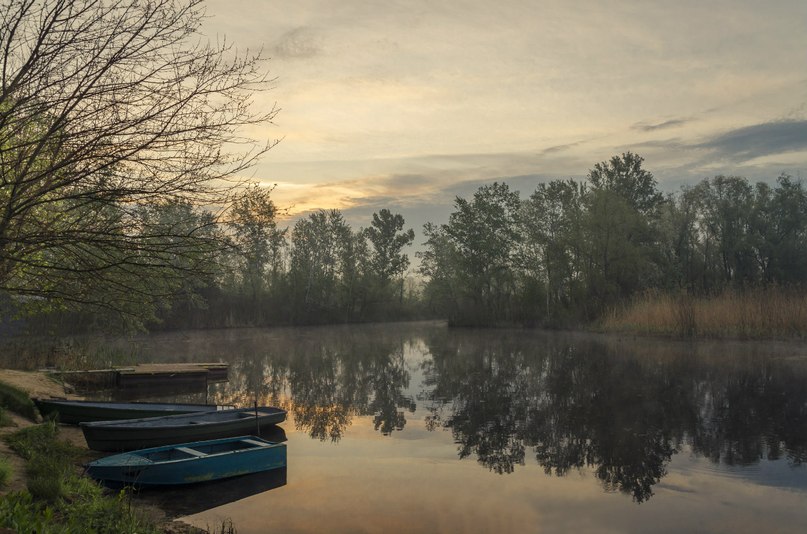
point(131, 434)
point(189, 463)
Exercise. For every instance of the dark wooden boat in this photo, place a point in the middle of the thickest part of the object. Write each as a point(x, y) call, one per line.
point(189, 463)
point(156, 431)
point(73, 412)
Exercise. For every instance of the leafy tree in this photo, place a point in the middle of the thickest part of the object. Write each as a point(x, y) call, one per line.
point(440, 264)
point(552, 240)
point(355, 281)
point(784, 233)
point(318, 245)
point(622, 211)
point(104, 107)
point(387, 238)
point(681, 265)
point(257, 239)
point(624, 177)
point(618, 244)
point(480, 240)
point(726, 206)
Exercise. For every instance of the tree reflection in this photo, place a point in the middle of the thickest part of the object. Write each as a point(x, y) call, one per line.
point(579, 403)
point(486, 396)
point(753, 413)
point(387, 382)
point(570, 402)
point(326, 380)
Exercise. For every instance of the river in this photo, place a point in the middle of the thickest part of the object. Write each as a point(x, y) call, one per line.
point(421, 428)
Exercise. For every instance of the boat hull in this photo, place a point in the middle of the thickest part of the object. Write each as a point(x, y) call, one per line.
point(157, 431)
point(189, 463)
point(73, 412)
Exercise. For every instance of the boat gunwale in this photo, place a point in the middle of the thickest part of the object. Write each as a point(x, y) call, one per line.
point(113, 405)
point(262, 445)
point(144, 422)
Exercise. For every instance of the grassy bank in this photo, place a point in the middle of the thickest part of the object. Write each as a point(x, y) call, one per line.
point(754, 314)
point(57, 497)
point(17, 401)
point(51, 493)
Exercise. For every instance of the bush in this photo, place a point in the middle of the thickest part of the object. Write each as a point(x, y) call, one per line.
point(45, 475)
point(5, 420)
point(20, 513)
point(17, 401)
point(40, 439)
point(58, 499)
point(5, 470)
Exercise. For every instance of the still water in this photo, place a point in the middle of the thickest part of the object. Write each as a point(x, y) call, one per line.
point(421, 428)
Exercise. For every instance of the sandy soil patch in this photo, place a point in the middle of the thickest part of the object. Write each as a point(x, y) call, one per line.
point(36, 383)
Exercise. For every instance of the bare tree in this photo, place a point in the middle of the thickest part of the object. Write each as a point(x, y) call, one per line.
point(107, 107)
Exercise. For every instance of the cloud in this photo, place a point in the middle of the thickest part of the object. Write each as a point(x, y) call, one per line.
point(667, 144)
point(299, 43)
point(647, 127)
point(559, 148)
point(758, 140)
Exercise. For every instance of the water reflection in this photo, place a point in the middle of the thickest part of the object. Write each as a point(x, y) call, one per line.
point(178, 501)
point(568, 402)
point(181, 501)
point(581, 403)
point(326, 382)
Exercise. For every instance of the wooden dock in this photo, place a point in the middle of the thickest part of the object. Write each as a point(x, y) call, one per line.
point(148, 374)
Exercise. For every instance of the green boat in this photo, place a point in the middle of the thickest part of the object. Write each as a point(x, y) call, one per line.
point(157, 431)
point(73, 412)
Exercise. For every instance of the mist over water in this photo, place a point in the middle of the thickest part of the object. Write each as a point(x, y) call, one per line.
point(418, 427)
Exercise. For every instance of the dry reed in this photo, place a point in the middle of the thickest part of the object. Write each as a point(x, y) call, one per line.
point(752, 314)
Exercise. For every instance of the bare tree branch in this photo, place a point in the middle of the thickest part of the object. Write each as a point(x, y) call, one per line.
point(107, 108)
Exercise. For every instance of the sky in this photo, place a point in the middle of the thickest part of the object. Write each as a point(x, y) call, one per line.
point(406, 104)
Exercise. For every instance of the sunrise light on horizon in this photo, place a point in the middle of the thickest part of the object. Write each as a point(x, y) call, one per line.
point(407, 104)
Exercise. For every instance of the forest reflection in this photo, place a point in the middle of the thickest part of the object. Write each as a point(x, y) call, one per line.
point(569, 402)
point(327, 381)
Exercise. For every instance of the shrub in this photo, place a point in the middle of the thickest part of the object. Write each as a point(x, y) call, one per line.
point(39, 439)
point(5, 470)
point(20, 513)
point(17, 401)
point(45, 475)
point(5, 420)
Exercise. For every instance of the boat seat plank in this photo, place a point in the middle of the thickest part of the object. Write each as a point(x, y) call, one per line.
point(253, 442)
point(192, 452)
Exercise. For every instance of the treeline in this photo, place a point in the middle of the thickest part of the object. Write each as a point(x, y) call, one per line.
point(565, 256)
point(575, 249)
point(241, 269)
point(318, 271)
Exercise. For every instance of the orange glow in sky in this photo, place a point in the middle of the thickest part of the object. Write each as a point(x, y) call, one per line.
point(407, 104)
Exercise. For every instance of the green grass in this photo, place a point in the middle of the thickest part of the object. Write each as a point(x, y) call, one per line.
point(5, 419)
point(5, 470)
point(41, 440)
point(17, 401)
point(84, 509)
point(48, 459)
point(58, 498)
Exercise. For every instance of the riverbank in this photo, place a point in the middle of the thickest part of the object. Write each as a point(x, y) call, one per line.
point(771, 313)
point(38, 384)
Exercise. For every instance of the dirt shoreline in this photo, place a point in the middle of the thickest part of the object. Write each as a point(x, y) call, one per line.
point(40, 384)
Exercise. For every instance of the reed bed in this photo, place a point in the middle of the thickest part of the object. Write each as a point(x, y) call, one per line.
point(753, 314)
